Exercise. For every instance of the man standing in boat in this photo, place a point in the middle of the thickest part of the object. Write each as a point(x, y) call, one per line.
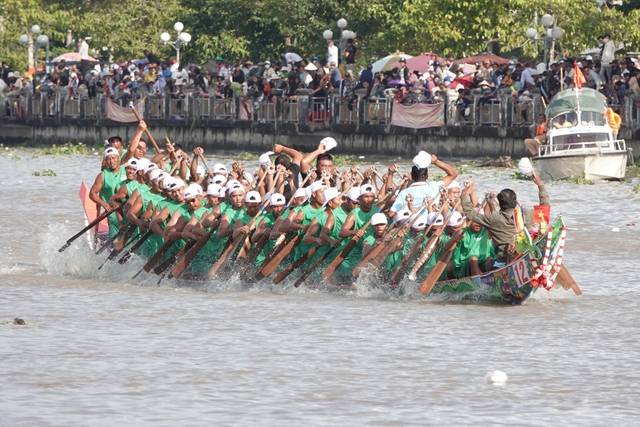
point(421, 187)
point(500, 223)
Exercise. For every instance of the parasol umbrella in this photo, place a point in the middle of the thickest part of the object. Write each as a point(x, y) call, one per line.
point(420, 63)
point(72, 58)
point(396, 83)
point(292, 57)
point(481, 58)
point(386, 63)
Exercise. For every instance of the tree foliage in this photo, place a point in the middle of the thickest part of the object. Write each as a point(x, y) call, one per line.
point(264, 29)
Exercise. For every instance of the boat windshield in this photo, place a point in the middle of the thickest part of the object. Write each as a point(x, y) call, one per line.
point(580, 140)
point(570, 119)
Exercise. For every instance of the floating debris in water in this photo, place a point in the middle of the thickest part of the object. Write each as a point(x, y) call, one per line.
point(496, 377)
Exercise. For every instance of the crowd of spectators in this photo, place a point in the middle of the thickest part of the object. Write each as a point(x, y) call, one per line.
point(261, 81)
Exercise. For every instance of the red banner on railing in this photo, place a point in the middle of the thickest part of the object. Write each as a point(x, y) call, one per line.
point(417, 116)
point(124, 114)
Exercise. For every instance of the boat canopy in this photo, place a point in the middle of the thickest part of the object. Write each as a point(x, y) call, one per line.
point(565, 101)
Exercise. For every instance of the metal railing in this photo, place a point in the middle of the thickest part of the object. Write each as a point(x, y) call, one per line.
point(289, 110)
point(501, 111)
point(375, 111)
point(594, 147)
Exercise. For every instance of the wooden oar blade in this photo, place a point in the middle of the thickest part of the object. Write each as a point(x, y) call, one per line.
point(565, 277)
point(293, 266)
point(280, 256)
point(435, 273)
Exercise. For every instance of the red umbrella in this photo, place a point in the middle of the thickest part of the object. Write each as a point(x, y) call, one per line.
point(466, 81)
point(481, 58)
point(420, 63)
point(71, 57)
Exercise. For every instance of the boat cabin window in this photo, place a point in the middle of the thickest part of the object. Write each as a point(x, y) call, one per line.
point(581, 140)
point(566, 120)
point(590, 116)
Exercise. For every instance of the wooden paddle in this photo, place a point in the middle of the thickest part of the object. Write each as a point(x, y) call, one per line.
point(441, 265)
point(399, 272)
point(431, 244)
point(244, 264)
point(172, 259)
point(293, 266)
point(157, 257)
point(352, 244)
point(109, 242)
point(240, 240)
point(313, 268)
point(277, 247)
point(153, 141)
point(379, 253)
point(564, 277)
point(88, 227)
point(179, 268)
point(135, 247)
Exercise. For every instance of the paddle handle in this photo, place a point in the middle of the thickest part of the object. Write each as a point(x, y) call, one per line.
point(179, 268)
point(153, 141)
point(313, 268)
point(435, 273)
point(87, 227)
point(293, 266)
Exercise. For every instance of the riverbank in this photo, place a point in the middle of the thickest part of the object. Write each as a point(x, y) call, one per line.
point(446, 141)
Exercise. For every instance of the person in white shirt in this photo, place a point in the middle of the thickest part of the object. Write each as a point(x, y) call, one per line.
point(332, 52)
point(83, 50)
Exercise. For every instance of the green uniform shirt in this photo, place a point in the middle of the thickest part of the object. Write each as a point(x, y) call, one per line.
point(213, 248)
point(111, 181)
point(309, 214)
point(355, 256)
point(472, 244)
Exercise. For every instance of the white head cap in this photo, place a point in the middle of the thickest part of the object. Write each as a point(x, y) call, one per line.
point(455, 219)
point(149, 166)
point(317, 185)
point(422, 160)
point(236, 187)
point(213, 190)
point(132, 163)
point(192, 190)
point(253, 197)
point(168, 182)
point(353, 194)
point(219, 179)
point(419, 223)
point(403, 214)
point(141, 164)
point(307, 192)
point(178, 183)
point(154, 174)
point(277, 199)
point(219, 168)
point(232, 182)
point(200, 170)
point(329, 143)
point(264, 158)
point(330, 194)
point(223, 193)
point(300, 192)
point(378, 218)
point(367, 189)
point(111, 152)
point(454, 184)
point(435, 219)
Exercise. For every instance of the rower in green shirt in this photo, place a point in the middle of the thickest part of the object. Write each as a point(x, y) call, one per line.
point(106, 184)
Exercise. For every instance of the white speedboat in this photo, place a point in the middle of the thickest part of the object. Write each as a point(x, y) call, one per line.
point(579, 140)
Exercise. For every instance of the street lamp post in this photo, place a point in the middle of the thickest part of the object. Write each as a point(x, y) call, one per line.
point(344, 35)
point(27, 40)
point(551, 35)
point(182, 39)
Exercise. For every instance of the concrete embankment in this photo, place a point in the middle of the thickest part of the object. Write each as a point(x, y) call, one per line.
point(447, 141)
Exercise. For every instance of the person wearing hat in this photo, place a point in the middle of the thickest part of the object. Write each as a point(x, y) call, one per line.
point(126, 188)
point(354, 227)
point(299, 219)
point(277, 206)
point(227, 223)
point(182, 223)
point(420, 186)
point(324, 162)
point(107, 183)
point(379, 226)
point(500, 223)
point(318, 232)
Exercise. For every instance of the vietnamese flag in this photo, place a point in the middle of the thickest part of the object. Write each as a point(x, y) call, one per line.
point(578, 77)
point(542, 213)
